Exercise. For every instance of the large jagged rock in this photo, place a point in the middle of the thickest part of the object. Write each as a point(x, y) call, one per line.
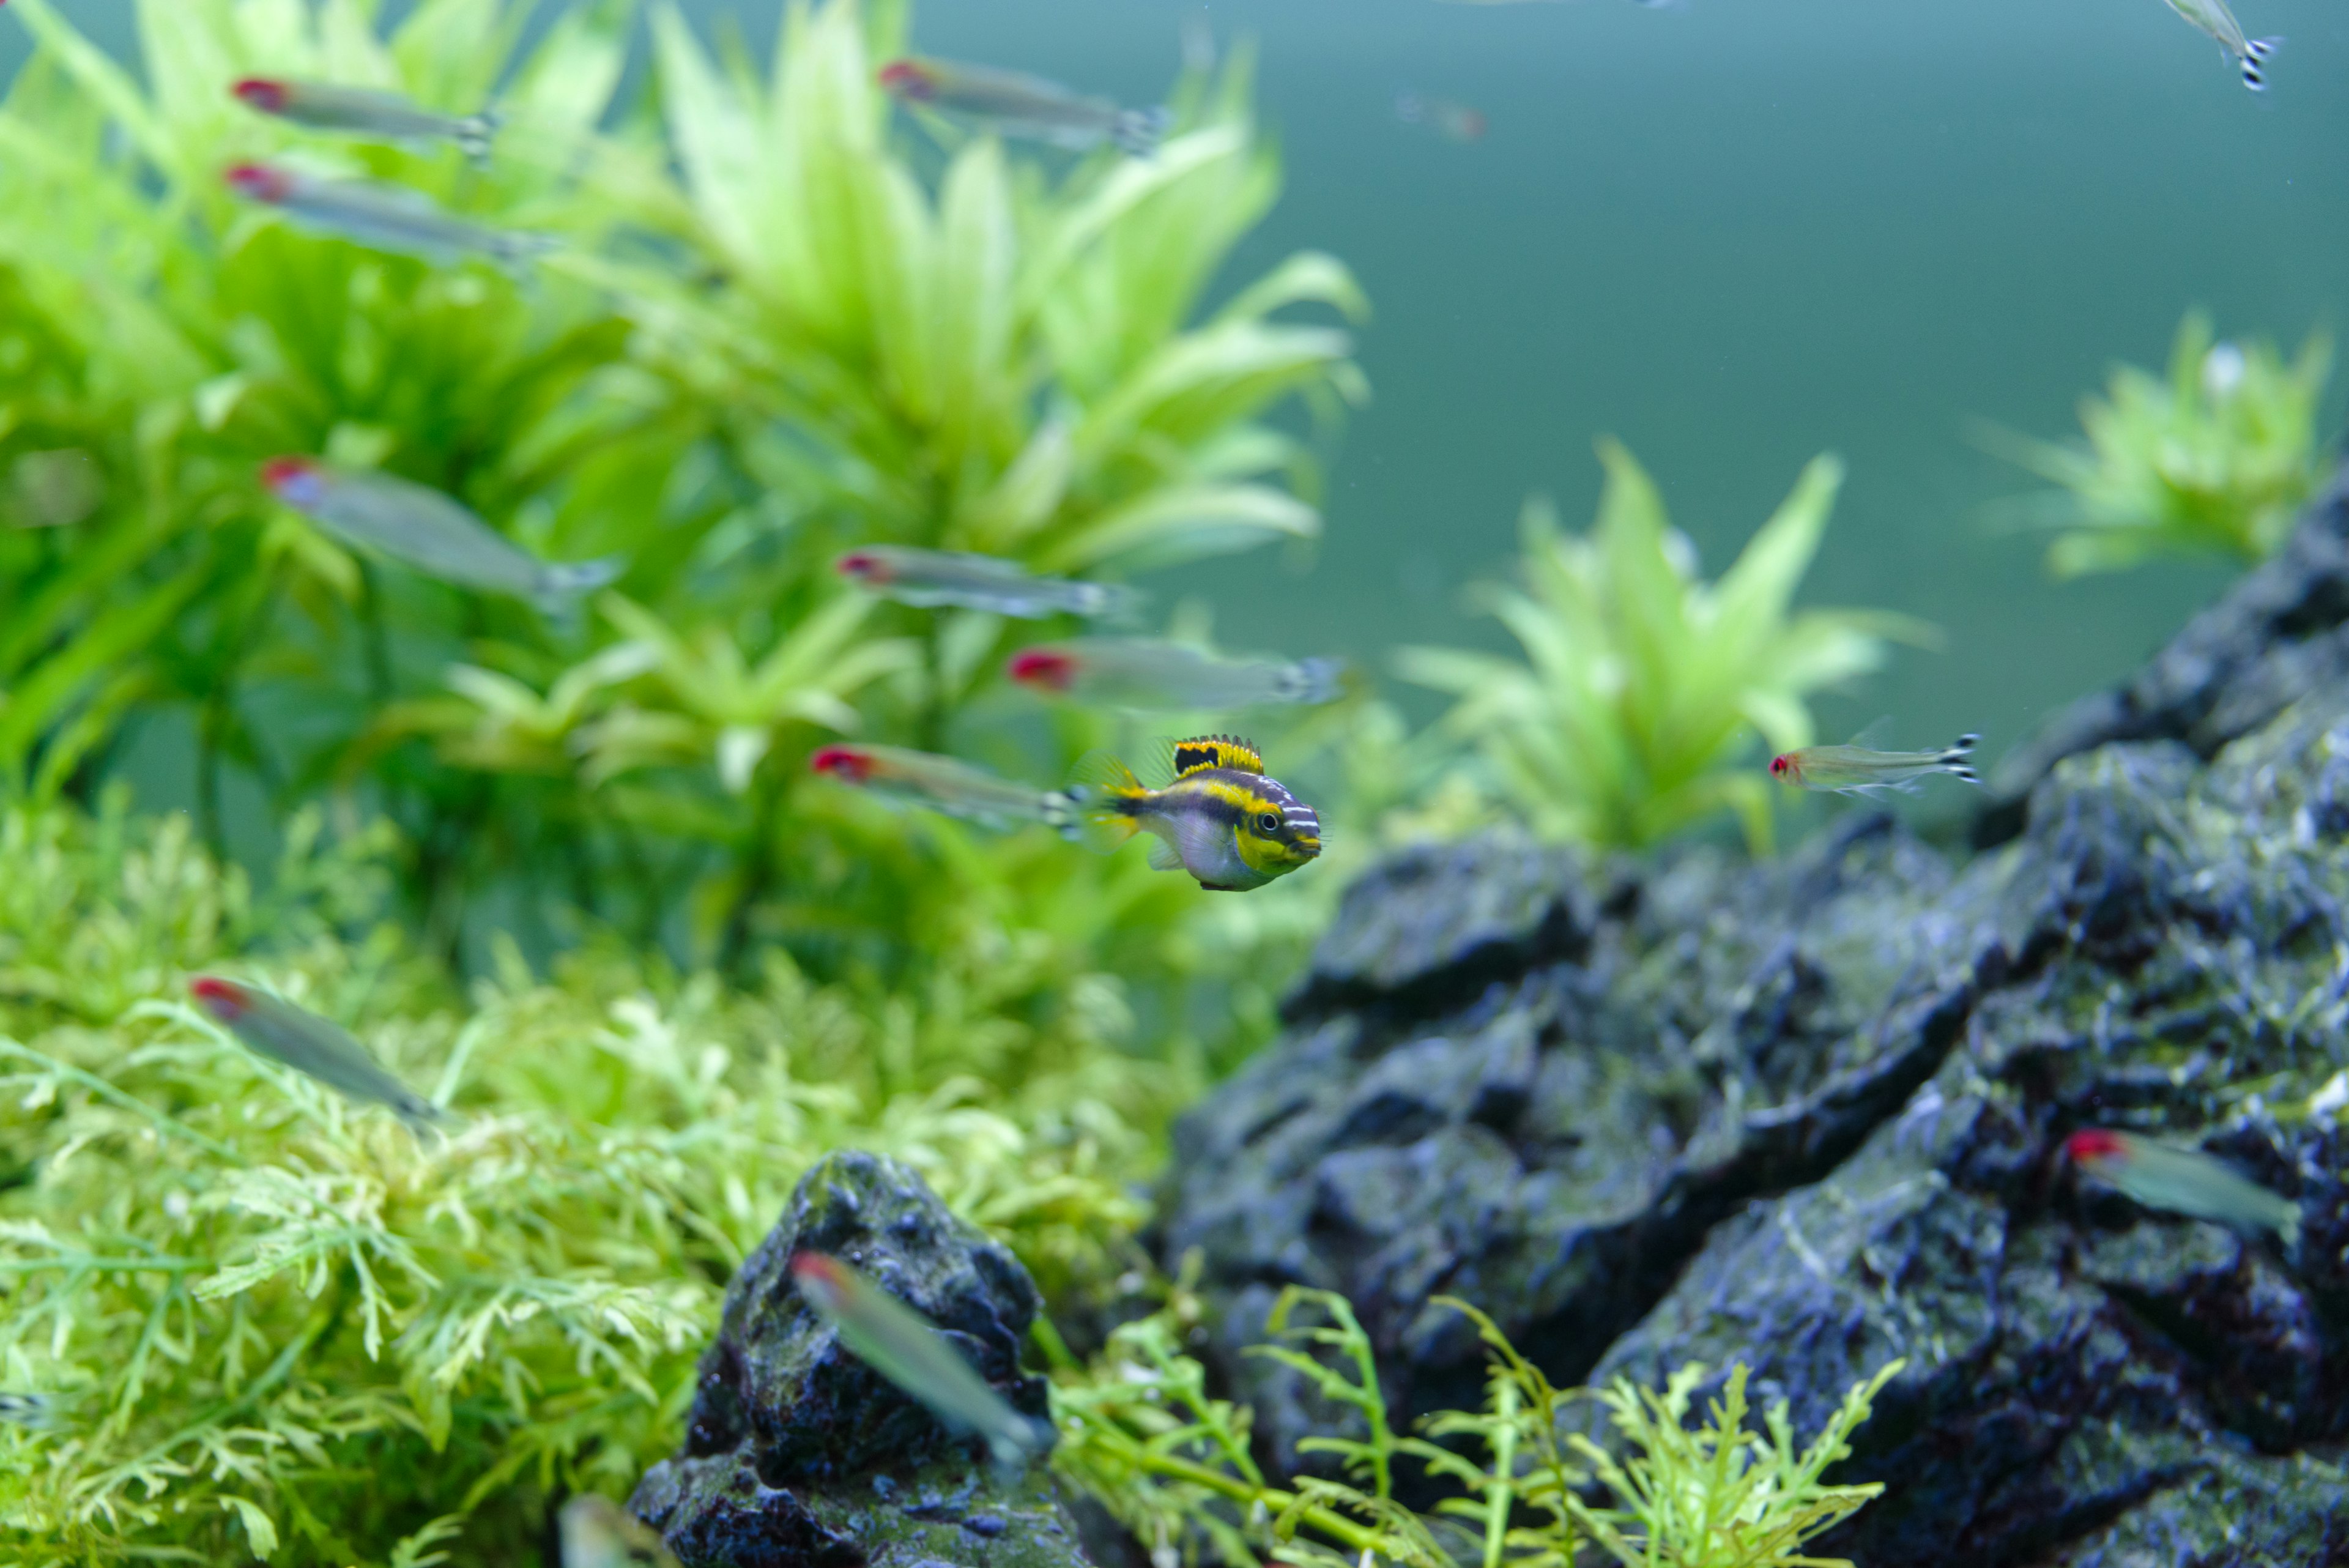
point(1808, 1116)
point(797, 1455)
point(2280, 632)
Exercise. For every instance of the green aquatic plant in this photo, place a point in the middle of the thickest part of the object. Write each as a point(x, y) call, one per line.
point(779, 324)
point(1142, 1435)
point(1642, 684)
point(2215, 457)
point(274, 1324)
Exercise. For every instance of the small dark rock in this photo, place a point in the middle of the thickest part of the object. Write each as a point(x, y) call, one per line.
point(798, 1455)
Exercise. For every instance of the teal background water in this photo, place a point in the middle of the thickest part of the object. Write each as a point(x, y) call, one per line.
point(1735, 234)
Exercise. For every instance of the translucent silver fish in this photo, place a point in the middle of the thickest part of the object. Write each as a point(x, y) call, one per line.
point(946, 785)
point(906, 1348)
point(2249, 54)
point(599, 1533)
point(366, 112)
point(382, 217)
point(36, 1411)
point(1151, 676)
point(420, 527)
point(1030, 107)
point(1857, 769)
point(931, 578)
point(318, 1047)
point(2182, 1181)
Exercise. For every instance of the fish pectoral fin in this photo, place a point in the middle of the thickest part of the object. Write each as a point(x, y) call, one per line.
point(1164, 857)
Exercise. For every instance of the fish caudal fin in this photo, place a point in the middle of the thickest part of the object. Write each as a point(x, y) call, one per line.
point(1957, 761)
point(475, 132)
point(2254, 62)
point(1062, 812)
point(562, 582)
point(1108, 601)
point(1312, 681)
point(1138, 131)
point(1104, 792)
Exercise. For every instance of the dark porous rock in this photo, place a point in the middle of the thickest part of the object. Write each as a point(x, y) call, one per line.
point(798, 1454)
point(1809, 1115)
point(2278, 634)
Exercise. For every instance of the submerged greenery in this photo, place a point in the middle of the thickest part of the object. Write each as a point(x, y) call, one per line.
point(268, 1319)
point(2217, 457)
point(1141, 1432)
point(1633, 713)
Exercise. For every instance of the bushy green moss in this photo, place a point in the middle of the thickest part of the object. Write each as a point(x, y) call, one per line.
point(266, 1316)
point(1142, 1434)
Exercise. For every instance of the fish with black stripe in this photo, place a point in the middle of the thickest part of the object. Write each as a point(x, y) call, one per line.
point(1217, 817)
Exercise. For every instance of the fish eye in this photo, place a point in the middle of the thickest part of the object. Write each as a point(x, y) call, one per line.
point(1267, 823)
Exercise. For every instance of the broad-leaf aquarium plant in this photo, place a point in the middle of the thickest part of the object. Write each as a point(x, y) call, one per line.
point(2217, 457)
point(1632, 713)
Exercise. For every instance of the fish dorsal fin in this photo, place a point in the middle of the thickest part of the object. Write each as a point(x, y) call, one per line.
point(1203, 752)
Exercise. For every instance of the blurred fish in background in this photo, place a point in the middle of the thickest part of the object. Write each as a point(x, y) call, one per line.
point(420, 527)
point(381, 217)
point(1452, 121)
point(944, 784)
point(2249, 54)
point(1150, 676)
point(932, 578)
point(1013, 104)
point(366, 112)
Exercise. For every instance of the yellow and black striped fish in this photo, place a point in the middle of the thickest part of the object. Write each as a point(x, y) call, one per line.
point(1219, 818)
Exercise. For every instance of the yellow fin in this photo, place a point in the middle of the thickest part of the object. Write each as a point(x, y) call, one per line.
point(1104, 789)
point(1203, 752)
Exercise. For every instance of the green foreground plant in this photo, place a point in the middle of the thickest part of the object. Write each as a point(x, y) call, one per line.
point(2217, 457)
point(1643, 684)
point(1141, 1433)
point(280, 1327)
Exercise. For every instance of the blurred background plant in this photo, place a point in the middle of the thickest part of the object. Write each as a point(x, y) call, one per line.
point(2217, 457)
point(1632, 715)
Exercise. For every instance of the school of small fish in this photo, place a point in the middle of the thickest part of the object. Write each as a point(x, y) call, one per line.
point(1212, 810)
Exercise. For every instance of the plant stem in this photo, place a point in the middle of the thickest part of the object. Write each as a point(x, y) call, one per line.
point(1360, 1537)
point(1505, 1468)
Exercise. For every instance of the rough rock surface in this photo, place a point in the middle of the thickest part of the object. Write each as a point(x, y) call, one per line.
point(797, 1455)
point(1808, 1116)
point(2282, 631)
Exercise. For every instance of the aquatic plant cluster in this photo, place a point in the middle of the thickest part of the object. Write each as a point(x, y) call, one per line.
point(641, 575)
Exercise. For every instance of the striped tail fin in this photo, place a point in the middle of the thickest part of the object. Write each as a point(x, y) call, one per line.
point(2254, 62)
point(1956, 760)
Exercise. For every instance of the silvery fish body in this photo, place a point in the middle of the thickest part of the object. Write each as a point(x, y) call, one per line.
point(32, 1410)
point(2183, 1181)
point(1857, 769)
point(907, 1349)
point(420, 527)
point(599, 1533)
point(366, 112)
point(2249, 54)
point(926, 578)
point(946, 785)
point(383, 217)
point(1169, 677)
point(1015, 104)
point(315, 1046)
